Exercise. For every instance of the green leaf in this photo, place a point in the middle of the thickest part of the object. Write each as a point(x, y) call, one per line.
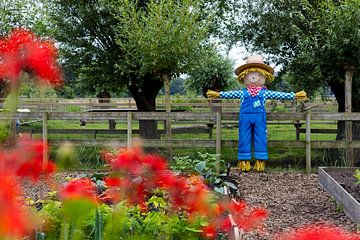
point(231, 185)
point(200, 167)
point(193, 230)
point(219, 190)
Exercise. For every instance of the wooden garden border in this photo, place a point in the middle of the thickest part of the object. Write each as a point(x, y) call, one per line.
point(349, 204)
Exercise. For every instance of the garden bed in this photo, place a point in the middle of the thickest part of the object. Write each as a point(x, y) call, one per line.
point(340, 183)
point(293, 200)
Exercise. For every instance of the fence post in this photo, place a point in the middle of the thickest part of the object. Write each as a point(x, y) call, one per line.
point(349, 153)
point(308, 142)
point(45, 139)
point(218, 135)
point(129, 129)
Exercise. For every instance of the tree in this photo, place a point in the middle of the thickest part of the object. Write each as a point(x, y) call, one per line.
point(314, 40)
point(212, 71)
point(161, 39)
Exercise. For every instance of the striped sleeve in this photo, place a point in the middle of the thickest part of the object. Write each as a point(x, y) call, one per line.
point(279, 95)
point(239, 94)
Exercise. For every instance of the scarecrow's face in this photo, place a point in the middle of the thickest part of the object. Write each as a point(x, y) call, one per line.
point(254, 79)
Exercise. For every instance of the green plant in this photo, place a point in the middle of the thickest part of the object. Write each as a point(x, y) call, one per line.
point(357, 176)
point(206, 165)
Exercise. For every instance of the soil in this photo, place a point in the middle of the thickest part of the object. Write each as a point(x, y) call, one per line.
point(345, 177)
point(293, 200)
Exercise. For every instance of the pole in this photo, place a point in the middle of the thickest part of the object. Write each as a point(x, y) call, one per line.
point(308, 142)
point(349, 154)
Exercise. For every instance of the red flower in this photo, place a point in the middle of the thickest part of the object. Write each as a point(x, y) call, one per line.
point(33, 164)
point(318, 232)
point(14, 218)
point(128, 161)
point(22, 50)
point(155, 164)
point(13, 162)
point(112, 181)
point(208, 232)
point(41, 59)
point(82, 188)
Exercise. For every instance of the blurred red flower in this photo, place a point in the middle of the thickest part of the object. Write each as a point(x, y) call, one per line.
point(15, 220)
point(208, 232)
point(318, 232)
point(13, 161)
point(77, 189)
point(33, 164)
point(22, 50)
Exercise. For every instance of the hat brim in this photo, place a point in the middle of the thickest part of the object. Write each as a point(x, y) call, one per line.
point(254, 65)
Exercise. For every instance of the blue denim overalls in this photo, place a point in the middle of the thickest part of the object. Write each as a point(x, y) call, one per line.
point(252, 121)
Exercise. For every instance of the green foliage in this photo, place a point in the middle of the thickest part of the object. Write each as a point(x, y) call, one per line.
point(212, 71)
point(88, 49)
point(206, 165)
point(117, 222)
point(313, 40)
point(162, 37)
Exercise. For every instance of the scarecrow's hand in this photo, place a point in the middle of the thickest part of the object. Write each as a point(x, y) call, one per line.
point(301, 95)
point(212, 94)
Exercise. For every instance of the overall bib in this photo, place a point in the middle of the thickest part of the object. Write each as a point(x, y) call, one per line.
point(252, 122)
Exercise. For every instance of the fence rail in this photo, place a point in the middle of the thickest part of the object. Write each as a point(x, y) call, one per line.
point(215, 119)
point(198, 104)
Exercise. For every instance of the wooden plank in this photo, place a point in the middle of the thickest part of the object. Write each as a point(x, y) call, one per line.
point(205, 116)
point(92, 142)
point(270, 116)
point(218, 137)
point(182, 143)
point(308, 142)
point(350, 206)
point(319, 130)
point(178, 116)
point(129, 130)
point(179, 130)
point(45, 139)
point(299, 144)
point(354, 116)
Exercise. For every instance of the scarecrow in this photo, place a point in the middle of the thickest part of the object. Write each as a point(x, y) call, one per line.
point(252, 116)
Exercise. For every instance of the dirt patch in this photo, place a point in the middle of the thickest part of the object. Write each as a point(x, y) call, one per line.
point(293, 200)
point(345, 177)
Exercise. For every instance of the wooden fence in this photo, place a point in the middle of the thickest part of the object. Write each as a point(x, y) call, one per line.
point(213, 119)
point(195, 104)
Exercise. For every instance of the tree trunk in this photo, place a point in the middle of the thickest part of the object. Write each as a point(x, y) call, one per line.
point(338, 89)
point(145, 98)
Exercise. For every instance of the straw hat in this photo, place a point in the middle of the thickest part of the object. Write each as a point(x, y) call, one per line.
point(254, 61)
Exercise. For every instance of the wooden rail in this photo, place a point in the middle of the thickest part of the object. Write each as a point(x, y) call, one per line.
point(198, 104)
point(215, 118)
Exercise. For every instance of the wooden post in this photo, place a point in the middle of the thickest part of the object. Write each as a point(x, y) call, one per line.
point(45, 139)
point(308, 142)
point(349, 155)
point(218, 136)
point(166, 79)
point(129, 130)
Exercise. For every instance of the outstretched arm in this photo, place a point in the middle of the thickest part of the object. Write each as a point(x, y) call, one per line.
point(239, 94)
point(226, 95)
point(279, 95)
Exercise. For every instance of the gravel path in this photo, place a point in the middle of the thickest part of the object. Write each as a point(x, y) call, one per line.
point(293, 199)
